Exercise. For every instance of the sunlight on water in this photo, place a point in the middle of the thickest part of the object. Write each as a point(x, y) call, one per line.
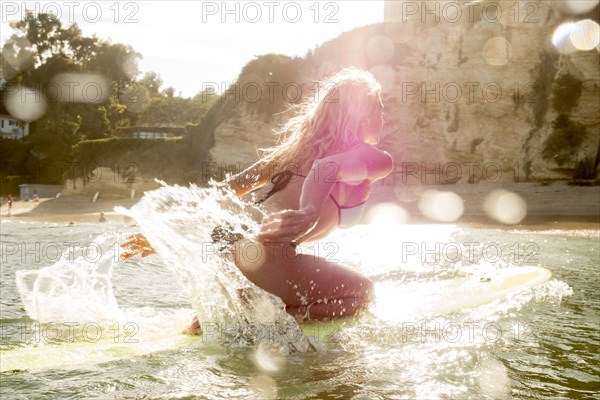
point(381, 248)
point(386, 214)
point(493, 379)
point(436, 330)
point(264, 387)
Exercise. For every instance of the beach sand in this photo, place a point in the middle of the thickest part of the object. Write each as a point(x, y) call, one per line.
point(66, 209)
point(549, 207)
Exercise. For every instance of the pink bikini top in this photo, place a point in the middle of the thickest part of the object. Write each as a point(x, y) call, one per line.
point(348, 216)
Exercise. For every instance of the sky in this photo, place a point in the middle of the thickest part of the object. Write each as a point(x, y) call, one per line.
point(191, 44)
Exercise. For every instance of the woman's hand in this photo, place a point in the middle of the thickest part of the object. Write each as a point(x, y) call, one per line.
point(136, 244)
point(287, 225)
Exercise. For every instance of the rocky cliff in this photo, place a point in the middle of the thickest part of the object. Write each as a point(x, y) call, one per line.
point(468, 94)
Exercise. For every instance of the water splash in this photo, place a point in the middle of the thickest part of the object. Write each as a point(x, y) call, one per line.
point(72, 289)
point(179, 223)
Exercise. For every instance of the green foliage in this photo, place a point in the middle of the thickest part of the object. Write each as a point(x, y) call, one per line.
point(94, 121)
point(152, 81)
point(563, 142)
point(13, 165)
point(173, 165)
point(585, 169)
point(41, 48)
point(268, 84)
point(44, 36)
point(567, 92)
point(173, 110)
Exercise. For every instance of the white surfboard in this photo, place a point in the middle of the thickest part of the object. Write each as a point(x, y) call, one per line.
point(394, 302)
point(71, 354)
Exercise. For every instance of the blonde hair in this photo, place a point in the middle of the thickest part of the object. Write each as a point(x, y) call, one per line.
point(325, 124)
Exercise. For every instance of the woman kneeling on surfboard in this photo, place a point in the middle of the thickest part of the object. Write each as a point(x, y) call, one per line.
point(317, 177)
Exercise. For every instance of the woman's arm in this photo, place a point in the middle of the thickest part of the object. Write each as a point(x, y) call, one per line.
point(363, 162)
point(248, 180)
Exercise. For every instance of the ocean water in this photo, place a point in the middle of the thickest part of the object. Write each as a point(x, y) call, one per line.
point(83, 325)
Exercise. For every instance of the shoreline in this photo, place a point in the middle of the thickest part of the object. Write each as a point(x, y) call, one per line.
point(76, 209)
point(549, 207)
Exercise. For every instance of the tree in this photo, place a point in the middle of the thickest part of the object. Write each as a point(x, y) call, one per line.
point(41, 49)
point(94, 121)
point(152, 82)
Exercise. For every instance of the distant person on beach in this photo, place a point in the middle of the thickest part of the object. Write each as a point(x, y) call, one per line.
point(102, 218)
point(317, 178)
point(9, 201)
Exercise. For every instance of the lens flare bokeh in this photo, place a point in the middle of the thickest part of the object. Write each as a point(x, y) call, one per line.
point(582, 35)
point(25, 103)
point(441, 206)
point(579, 6)
point(505, 206)
point(561, 39)
point(585, 35)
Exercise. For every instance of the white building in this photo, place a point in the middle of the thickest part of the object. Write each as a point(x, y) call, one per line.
point(13, 128)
